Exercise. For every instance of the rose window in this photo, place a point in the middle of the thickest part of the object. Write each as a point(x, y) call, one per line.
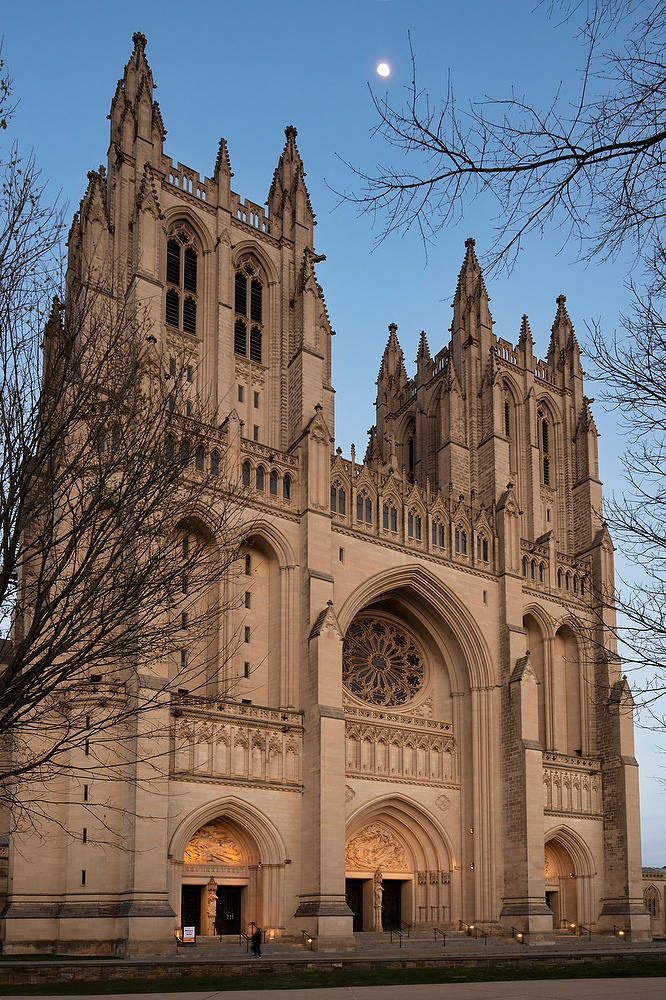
point(381, 662)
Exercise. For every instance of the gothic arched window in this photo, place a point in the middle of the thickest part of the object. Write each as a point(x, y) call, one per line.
point(545, 447)
point(363, 508)
point(651, 897)
point(214, 463)
point(273, 483)
point(249, 308)
point(414, 525)
point(338, 499)
point(246, 473)
point(286, 488)
point(181, 278)
point(390, 517)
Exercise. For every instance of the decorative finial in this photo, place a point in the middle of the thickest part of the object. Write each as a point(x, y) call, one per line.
point(291, 132)
point(139, 40)
point(470, 242)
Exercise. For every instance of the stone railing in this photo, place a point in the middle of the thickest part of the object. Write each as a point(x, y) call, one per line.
point(231, 741)
point(571, 784)
point(382, 745)
point(279, 474)
point(187, 180)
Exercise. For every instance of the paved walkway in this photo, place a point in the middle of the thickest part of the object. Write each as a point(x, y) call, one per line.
point(537, 989)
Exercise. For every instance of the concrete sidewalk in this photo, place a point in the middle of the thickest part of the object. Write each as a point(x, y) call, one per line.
point(537, 989)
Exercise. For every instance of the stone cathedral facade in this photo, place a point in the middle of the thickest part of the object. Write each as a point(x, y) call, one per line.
point(418, 730)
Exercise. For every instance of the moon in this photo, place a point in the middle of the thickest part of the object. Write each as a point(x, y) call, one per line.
point(383, 69)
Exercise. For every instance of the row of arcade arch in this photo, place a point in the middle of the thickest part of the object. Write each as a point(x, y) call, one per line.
point(228, 864)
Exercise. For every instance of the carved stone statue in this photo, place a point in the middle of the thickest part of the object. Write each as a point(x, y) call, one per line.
point(378, 893)
point(211, 905)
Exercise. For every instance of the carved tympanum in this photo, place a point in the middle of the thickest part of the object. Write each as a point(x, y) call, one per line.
point(213, 845)
point(375, 848)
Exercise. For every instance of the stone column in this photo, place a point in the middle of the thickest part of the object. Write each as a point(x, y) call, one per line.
point(524, 903)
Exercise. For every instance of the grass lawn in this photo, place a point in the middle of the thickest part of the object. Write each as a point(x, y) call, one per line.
point(310, 979)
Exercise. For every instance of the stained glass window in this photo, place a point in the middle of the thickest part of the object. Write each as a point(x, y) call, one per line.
point(381, 662)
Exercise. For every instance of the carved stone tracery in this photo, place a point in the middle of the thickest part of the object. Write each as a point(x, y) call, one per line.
point(381, 662)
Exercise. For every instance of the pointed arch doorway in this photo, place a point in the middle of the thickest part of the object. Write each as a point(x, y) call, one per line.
point(398, 867)
point(568, 876)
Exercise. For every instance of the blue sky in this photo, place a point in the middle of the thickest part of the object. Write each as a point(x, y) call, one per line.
point(246, 71)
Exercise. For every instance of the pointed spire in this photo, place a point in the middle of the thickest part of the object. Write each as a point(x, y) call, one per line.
point(392, 373)
point(562, 316)
point(134, 99)
point(423, 352)
point(525, 338)
point(289, 181)
point(471, 315)
point(222, 163)
point(137, 71)
point(562, 336)
point(470, 278)
point(423, 360)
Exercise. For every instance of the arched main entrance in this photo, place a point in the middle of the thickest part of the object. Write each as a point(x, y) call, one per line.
point(219, 892)
point(399, 867)
point(568, 873)
point(227, 870)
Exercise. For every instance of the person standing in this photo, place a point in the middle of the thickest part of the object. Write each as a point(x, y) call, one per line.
point(256, 942)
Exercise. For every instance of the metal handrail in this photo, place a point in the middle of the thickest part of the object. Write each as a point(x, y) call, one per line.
point(404, 926)
point(242, 936)
point(308, 939)
point(441, 933)
point(518, 935)
point(399, 936)
point(581, 929)
point(258, 928)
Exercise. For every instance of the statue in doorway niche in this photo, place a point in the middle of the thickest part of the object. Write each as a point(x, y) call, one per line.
point(211, 905)
point(378, 893)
